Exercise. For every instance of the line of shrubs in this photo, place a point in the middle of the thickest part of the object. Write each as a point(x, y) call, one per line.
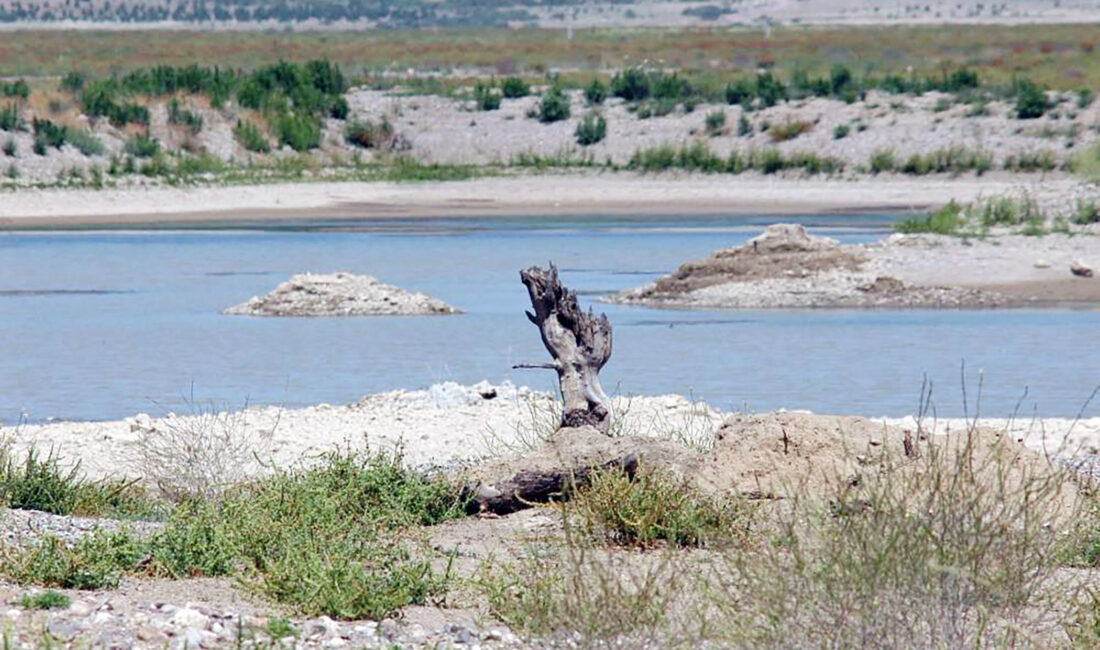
point(659, 91)
point(698, 157)
point(294, 97)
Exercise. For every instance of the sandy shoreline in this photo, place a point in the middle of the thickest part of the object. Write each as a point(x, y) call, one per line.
point(547, 195)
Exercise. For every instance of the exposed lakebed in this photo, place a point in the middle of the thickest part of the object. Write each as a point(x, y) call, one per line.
point(102, 325)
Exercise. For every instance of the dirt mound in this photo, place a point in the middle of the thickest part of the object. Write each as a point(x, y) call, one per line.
point(340, 294)
point(781, 251)
point(784, 454)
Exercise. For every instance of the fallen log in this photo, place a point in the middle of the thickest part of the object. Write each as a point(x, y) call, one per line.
point(529, 487)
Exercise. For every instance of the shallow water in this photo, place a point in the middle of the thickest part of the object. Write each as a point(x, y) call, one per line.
point(102, 325)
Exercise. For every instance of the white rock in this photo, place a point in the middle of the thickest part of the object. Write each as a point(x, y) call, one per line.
point(80, 608)
point(189, 618)
point(1080, 269)
point(1042, 264)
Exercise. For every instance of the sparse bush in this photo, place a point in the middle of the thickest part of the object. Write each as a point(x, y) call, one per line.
point(485, 97)
point(591, 129)
point(882, 160)
point(790, 130)
point(1084, 97)
point(769, 90)
point(10, 120)
point(97, 561)
point(654, 507)
point(1087, 213)
point(1032, 161)
point(48, 599)
point(1086, 164)
point(739, 92)
point(1031, 100)
point(46, 484)
point(251, 137)
point(142, 146)
point(554, 106)
point(299, 132)
point(715, 122)
point(85, 141)
point(10, 149)
point(595, 92)
point(942, 221)
point(73, 81)
point(370, 135)
point(632, 84)
point(744, 127)
point(513, 88)
point(198, 455)
point(841, 131)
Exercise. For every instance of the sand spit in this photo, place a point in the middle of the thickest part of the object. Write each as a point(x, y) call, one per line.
point(340, 294)
point(787, 268)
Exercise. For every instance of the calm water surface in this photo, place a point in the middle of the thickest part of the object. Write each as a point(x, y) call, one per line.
point(102, 325)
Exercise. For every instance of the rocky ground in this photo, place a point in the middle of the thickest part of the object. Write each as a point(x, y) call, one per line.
point(445, 129)
point(786, 268)
point(339, 294)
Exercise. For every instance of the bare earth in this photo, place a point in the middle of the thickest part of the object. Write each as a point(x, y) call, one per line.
point(546, 195)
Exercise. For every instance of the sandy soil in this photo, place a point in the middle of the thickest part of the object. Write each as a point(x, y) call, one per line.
point(566, 194)
point(917, 271)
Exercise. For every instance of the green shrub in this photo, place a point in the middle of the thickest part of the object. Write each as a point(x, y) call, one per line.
point(1031, 100)
point(1087, 213)
point(739, 92)
point(595, 92)
point(744, 127)
point(40, 145)
point(339, 109)
point(73, 81)
point(1084, 97)
point(591, 129)
point(485, 97)
point(142, 146)
point(48, 599)
point(769, 90)
point(955, 160)
point(632, 84)
point(10, 149)
point(841, 131)
point(554, 106)
point(85, 141)
point(883, 160)
point(17, 88)
point(715, 122)
point(655, 108)
point(1031, 161)
point(97, 561)
point(10, 120)
point(655, 507)
point(370, 135)
point(251, 137)
point(513, 88)
point(944, 221)
point(299, 132)
point(43, 483)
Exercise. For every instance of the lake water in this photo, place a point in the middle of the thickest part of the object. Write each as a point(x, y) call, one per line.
point(102, 325)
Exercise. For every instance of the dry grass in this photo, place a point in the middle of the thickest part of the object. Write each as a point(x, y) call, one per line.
point(201, 453)
point(1058, 55)
point(958, 543)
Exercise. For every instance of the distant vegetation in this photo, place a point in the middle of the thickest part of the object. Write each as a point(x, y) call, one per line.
point(1058, 56)
point(387, 14)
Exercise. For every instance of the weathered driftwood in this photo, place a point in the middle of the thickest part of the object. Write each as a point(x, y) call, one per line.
point(580, 344)
point(528, 487)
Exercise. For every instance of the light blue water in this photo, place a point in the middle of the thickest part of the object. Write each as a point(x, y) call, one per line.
point(148, 326)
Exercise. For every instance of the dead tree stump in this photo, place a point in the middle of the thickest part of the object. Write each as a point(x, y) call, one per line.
point(580, 344)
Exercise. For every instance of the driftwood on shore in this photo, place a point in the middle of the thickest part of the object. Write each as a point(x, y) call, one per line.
point(532, 486)
point(580, 344)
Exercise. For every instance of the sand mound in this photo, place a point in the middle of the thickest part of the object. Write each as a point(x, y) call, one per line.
point(340, 294)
